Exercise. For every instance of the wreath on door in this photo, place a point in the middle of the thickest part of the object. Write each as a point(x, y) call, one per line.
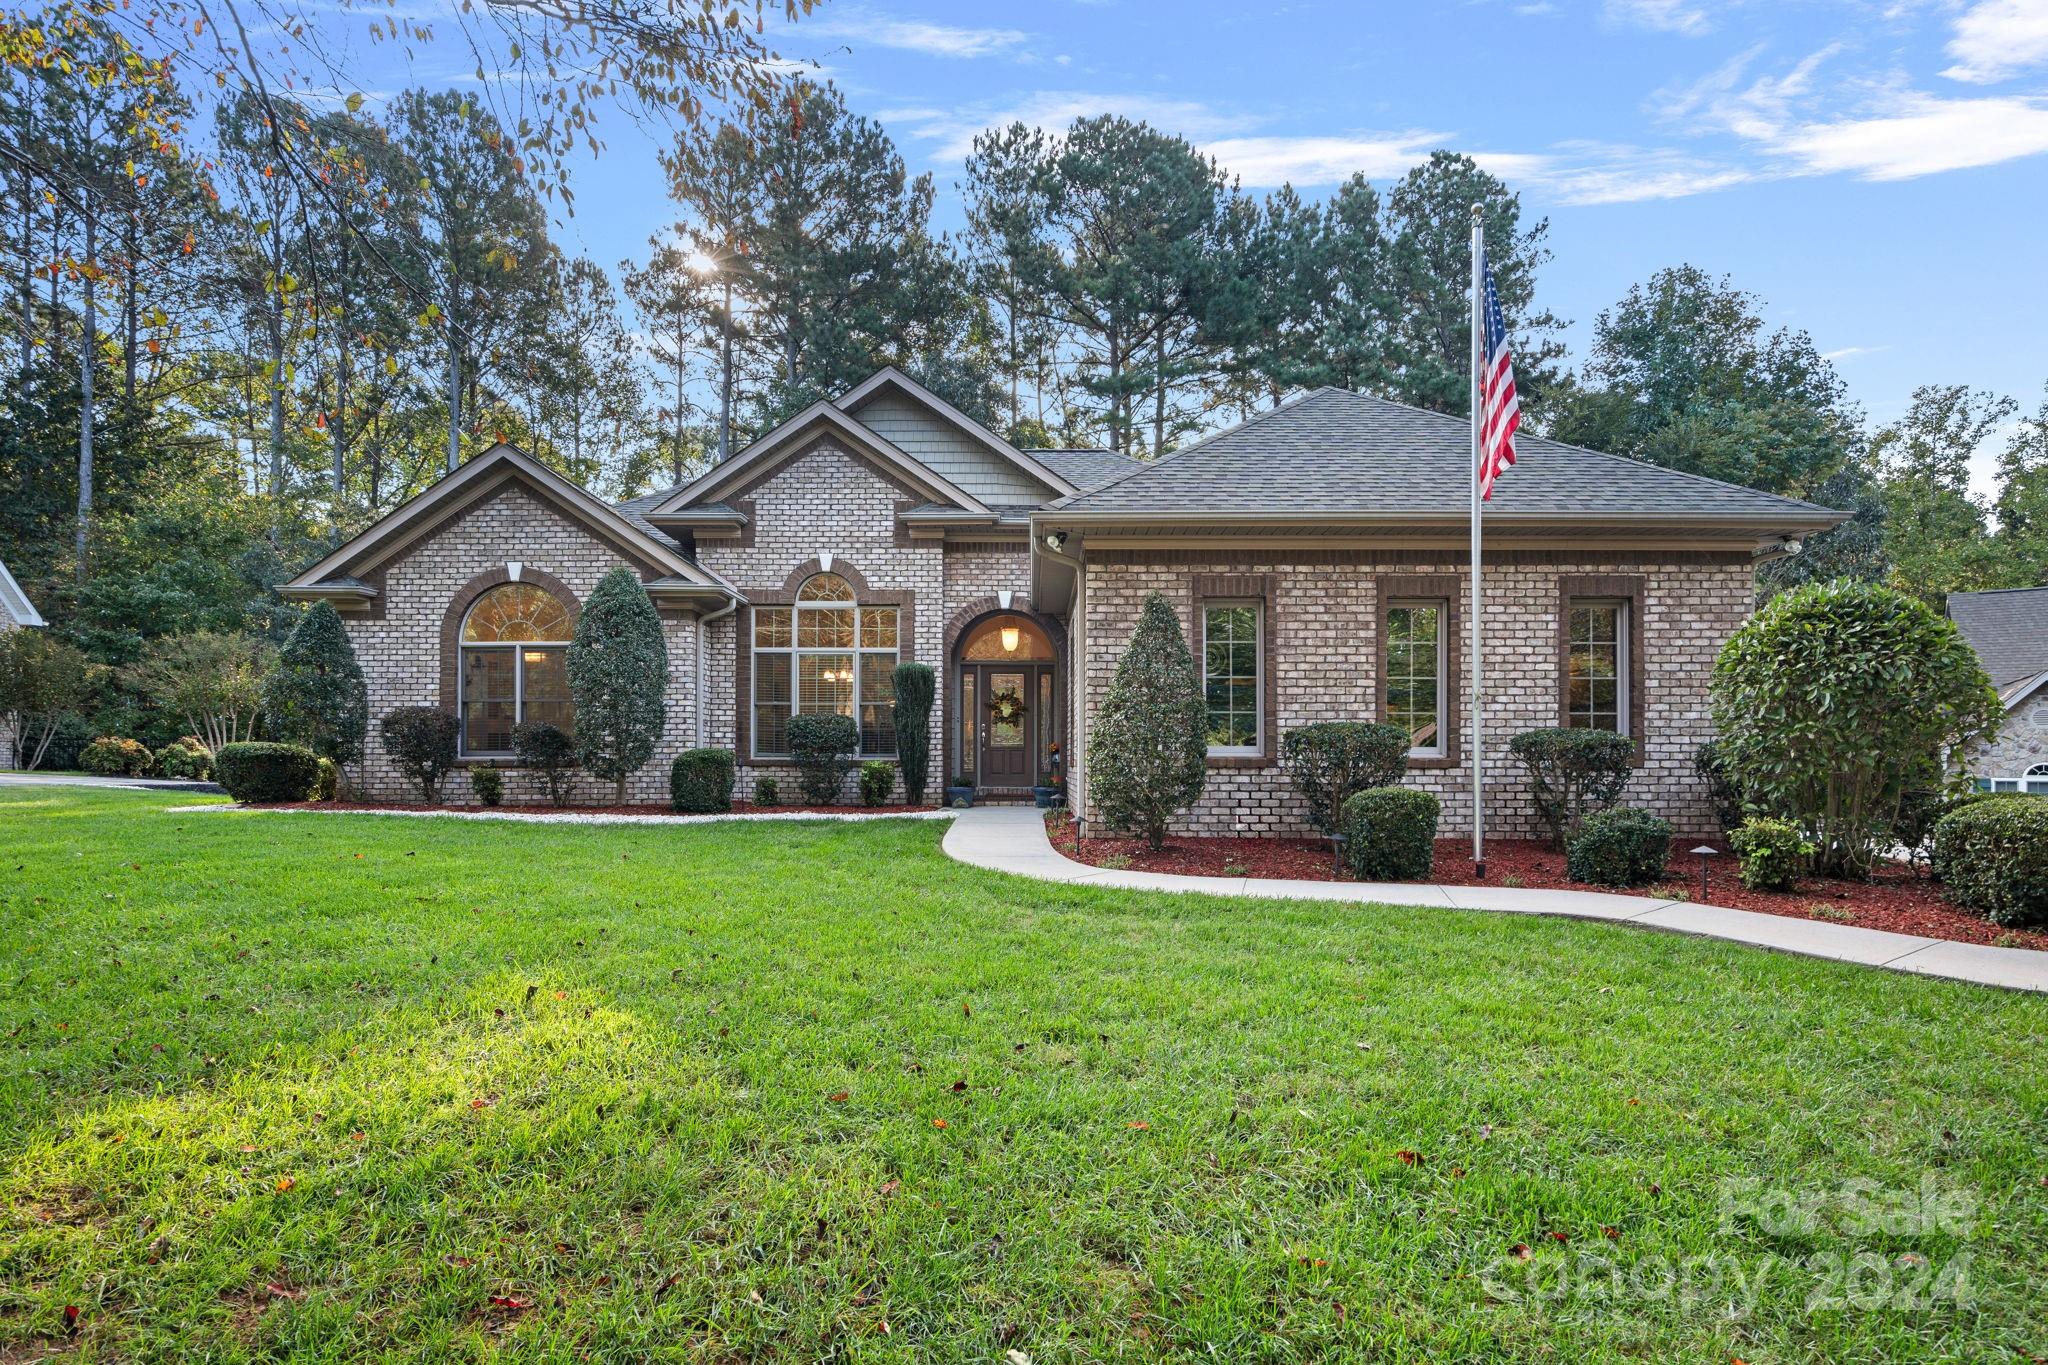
point(1006, 707)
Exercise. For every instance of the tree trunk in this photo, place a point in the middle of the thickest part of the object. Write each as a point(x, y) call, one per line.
point(28, 237)
point(725, 379)
point(87, 344)
point(274, 323)
point(676, 455)
point(454, 400)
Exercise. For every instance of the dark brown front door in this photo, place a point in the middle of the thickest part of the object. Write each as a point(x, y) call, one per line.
point(1006, 743)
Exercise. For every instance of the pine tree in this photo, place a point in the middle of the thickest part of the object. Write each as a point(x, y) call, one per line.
point(618, 671)
point(316, 696)
point(1148, 752)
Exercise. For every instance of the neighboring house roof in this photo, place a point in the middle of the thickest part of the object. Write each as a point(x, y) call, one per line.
point(1334, 455)
point(2009, 630)
point(14, 604)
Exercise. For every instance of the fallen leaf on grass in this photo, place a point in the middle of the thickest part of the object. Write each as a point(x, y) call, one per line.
point(517, 1305)
point(1612, 1234)
point(838, 1097)
point(280, 1291)
point(1140, 1125)
point(890, 1187)
point(1520, 1251)
point(284, 1183)
point(1408, 1158)
point(938, 1123)
point(462, 1262)
point(71, 1317)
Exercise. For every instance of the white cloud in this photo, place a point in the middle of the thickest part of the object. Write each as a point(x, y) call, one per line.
point(1851, 352)
point(915, 35)
point(1267, 162)
point(954, 130)
point(1914, 134)
point(1995, 39)
point(1666, 16)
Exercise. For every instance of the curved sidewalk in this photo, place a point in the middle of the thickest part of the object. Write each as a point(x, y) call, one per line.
point(1013, 839)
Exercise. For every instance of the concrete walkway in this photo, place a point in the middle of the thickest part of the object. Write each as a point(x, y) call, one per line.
point(1013, 839)
point(161, 784)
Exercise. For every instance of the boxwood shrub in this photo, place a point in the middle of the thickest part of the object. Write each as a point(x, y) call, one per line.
point(700, 781)
point(186, 757)
point(1572, 773)
point(877, 780)
point(488, 784)
point(822, 747)
point(1619, 847)
point(1992, 857)
point(1333, 760)
point(1389, 833)
point(1771, 853)
point(113, 756)
point(257, 772)
point(421, 743)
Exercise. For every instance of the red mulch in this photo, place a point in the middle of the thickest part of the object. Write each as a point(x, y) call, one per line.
point(1896, 899)
point(738, 808)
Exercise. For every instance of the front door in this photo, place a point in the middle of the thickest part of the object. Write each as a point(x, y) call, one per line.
point(1006, 725)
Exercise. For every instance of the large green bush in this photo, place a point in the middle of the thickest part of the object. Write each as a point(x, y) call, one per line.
point(315, 696)
point(822, 747)
point(1389, 833)
point(1573, 773)
point(1333, 760)
point(618, 673)
point(185, 758)
point(1992, 857)
point(1619, 847)
point(1148, 752)
point(1722, 789)
point(1835, 700)
point(915, 688)
point(548, 750)
point(700, 781)
point(421, 743)
point(255, 771)
point(1770, 853)
point(116, 756)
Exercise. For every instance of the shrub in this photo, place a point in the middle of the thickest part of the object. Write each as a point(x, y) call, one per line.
point(113, 756)
point(1722, 789)
point(914, 690)
point(315, 696)
point(186, 758)
point(488, 784)
point(1771, 852)
point(1992, 857)
point(1573, 773)
point(421, 742)
point(1835, 700)
point(212, 681)
point(1148, 753)
point(1333, 760)
point(618, 670)
point(548, 750)
point(767, 792)
point(822, 746)
point(254, 772)
point(877, 780)
point(1920, 806)
point(1619, 847)
point(1389, 832)
point(44, 681)
point(700, 781)
point(328, 784)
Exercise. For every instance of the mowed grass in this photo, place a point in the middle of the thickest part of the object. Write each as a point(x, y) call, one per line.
point(337, 1087)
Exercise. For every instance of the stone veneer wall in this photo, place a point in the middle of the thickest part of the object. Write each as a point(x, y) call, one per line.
point(1323, 630)
point(2021, 743)
point(401, 653)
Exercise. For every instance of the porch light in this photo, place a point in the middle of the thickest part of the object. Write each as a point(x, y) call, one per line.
point(1010, 639)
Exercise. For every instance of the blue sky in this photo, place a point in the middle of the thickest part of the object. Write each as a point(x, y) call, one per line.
point(1876, 171)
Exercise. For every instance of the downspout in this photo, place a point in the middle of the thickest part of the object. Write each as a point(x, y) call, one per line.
point(702, 621)
point(1077, 680)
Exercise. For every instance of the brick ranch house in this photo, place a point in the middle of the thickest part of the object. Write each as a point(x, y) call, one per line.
point(1317, 553)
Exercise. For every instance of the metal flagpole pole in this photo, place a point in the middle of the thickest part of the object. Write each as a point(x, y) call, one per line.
point(1478, 692)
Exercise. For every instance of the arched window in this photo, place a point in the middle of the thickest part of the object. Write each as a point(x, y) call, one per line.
point(515, 641)
point(828, 653)
point(2036, 780)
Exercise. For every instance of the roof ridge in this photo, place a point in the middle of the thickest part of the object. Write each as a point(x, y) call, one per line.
point(1990, 592)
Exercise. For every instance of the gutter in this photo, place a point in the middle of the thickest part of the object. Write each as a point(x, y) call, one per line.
point(732, 605)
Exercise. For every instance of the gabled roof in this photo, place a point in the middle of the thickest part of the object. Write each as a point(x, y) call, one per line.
point(1087, 467)
point(1334, 455)
point(889, 377)
point(819, 418)
point(2008, 628)
point(14, 602)
point(338, 575)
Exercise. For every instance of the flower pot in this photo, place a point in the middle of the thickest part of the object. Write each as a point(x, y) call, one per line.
point(959, 798)
point(1048, 797)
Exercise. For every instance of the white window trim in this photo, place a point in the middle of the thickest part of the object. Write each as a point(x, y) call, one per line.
point(1624, 624)
point(795, 652)
point(1442, 608)
point(1257, 748)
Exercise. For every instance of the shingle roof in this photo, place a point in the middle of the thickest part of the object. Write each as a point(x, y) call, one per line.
point(1086, 467)
point(2008, 628)
point(1335, 454)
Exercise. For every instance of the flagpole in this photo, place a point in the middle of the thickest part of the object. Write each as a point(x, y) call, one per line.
point(1478, 609)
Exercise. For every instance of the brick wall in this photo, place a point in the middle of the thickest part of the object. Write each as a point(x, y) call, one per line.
point(1325, 661)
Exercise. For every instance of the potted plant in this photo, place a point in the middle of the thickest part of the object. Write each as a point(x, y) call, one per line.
point(1051, 790)
point(960, 791)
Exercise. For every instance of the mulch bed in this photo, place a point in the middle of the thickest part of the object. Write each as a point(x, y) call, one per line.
point(1896, 899)
point(738, 808)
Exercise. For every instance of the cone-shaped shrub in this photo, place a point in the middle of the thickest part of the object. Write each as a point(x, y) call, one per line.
point(1148, 752)
point(315, 697)
point(914, 689)
point(618, 670)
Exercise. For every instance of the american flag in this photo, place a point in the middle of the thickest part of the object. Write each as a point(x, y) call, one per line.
point(1500, 413)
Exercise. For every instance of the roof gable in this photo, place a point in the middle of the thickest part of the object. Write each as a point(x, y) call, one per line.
point(936, 432)
point(14, 603)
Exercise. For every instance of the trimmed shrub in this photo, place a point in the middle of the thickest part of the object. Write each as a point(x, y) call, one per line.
point(327, 785)
point(877, 780)
point(1722, 789)
point(1992, 857)
point(915, 687)
point(1838, 698)
point(1148, 749)
point(1333, 760)
point(1573, 773)
point(1771, 853)
point(254, 772)
point(822, 747)
point(421, 743)
point(1619, 847)
point(315, 696)
point(700, 781)
point(767, 792)
point(185, 757)
point(618, 670)
point(488, 784)
point(114, 756)
point(550, 751)
point(1389, 832)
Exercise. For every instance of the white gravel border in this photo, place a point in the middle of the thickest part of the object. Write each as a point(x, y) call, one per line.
point(570, 817)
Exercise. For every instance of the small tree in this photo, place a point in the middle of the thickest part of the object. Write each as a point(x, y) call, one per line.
point(1333, 760)
point(1148, 755)
point(1572, 774)
point(210, 680)
point(1834, 700)
point(822, 747)
point(548, 750)
point(421, 742)
point(914, 690)
point(618, 671)
point(42, 681)
point(315, 696)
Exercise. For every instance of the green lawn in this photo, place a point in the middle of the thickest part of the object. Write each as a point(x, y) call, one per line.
point(326, 1087)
